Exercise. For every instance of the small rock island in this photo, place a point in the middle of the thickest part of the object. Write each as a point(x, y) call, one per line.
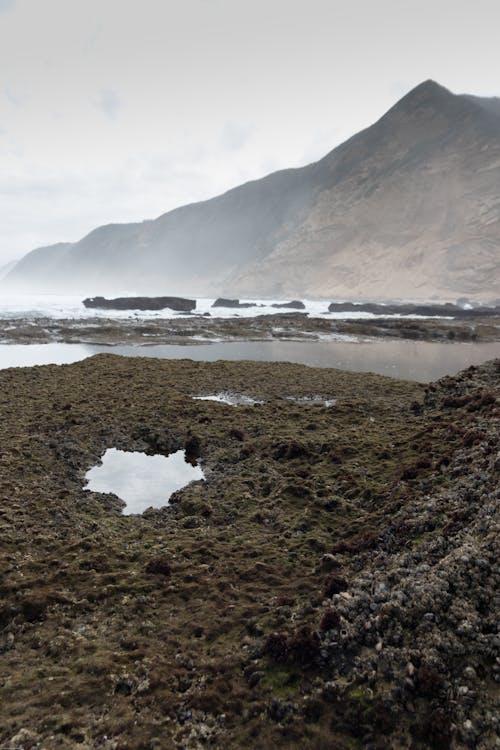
point(223, 302)
point(141, 303)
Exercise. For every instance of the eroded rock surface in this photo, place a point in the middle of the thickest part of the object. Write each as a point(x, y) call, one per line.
point(283, 325)
point(330, 584)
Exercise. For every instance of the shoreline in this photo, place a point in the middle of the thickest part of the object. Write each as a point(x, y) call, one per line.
point(279, 327)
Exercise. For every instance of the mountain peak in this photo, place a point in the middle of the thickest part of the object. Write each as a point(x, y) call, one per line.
point(429, 87)
point(428, 95)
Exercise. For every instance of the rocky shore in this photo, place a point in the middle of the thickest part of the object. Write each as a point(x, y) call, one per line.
point(330, 585)
point(203, 329)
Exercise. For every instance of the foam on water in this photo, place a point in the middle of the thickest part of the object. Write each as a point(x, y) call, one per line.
point(71, 306)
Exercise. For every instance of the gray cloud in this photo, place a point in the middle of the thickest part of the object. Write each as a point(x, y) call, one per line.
point(109, 102)
point(14, 97)
point(6, 5)
point(235, 135)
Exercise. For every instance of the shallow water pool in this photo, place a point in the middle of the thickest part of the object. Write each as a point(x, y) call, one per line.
point(411, 360)
point(141, 481)
point(230, 399)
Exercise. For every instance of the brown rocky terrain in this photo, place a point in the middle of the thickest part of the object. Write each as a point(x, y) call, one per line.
point(406, 209)
point(330, 585)
point(204, 329)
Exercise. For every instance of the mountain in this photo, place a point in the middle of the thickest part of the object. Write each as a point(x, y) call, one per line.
point(408, 208)
point(6, 268)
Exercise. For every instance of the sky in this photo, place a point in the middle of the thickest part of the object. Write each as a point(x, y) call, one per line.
point(120, 110)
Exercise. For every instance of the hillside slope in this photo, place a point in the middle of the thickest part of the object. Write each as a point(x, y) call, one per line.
point(415, 213)
point(408, 208)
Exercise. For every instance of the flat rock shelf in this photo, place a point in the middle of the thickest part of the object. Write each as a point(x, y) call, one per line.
point(331, 583)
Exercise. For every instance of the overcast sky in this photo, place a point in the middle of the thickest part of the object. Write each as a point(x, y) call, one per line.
point(119, 110)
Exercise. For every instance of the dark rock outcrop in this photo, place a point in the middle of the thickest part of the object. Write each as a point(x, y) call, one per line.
point(223, 302)
point(295, 304)
point(446, 310)
point(141, 303)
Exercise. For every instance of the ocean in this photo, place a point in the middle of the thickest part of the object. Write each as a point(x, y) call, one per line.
point(71, 306)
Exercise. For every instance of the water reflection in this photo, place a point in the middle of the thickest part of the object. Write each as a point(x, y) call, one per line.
point(312, 400)
point(141, 481)
point(411, 360)
point(230, 399)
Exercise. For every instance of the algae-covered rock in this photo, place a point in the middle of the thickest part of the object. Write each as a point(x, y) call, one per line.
point(326, 587)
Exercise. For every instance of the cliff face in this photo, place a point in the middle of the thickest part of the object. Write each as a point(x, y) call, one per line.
point(408, 208)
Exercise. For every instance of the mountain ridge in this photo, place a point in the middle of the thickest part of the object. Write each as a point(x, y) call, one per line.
point(399, 210)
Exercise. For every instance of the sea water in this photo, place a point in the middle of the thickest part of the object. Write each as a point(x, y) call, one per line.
point(60, 306)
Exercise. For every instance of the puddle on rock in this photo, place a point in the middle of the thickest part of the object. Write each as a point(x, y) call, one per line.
point(141, 481)
point(312, 400)
point(231, 399)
